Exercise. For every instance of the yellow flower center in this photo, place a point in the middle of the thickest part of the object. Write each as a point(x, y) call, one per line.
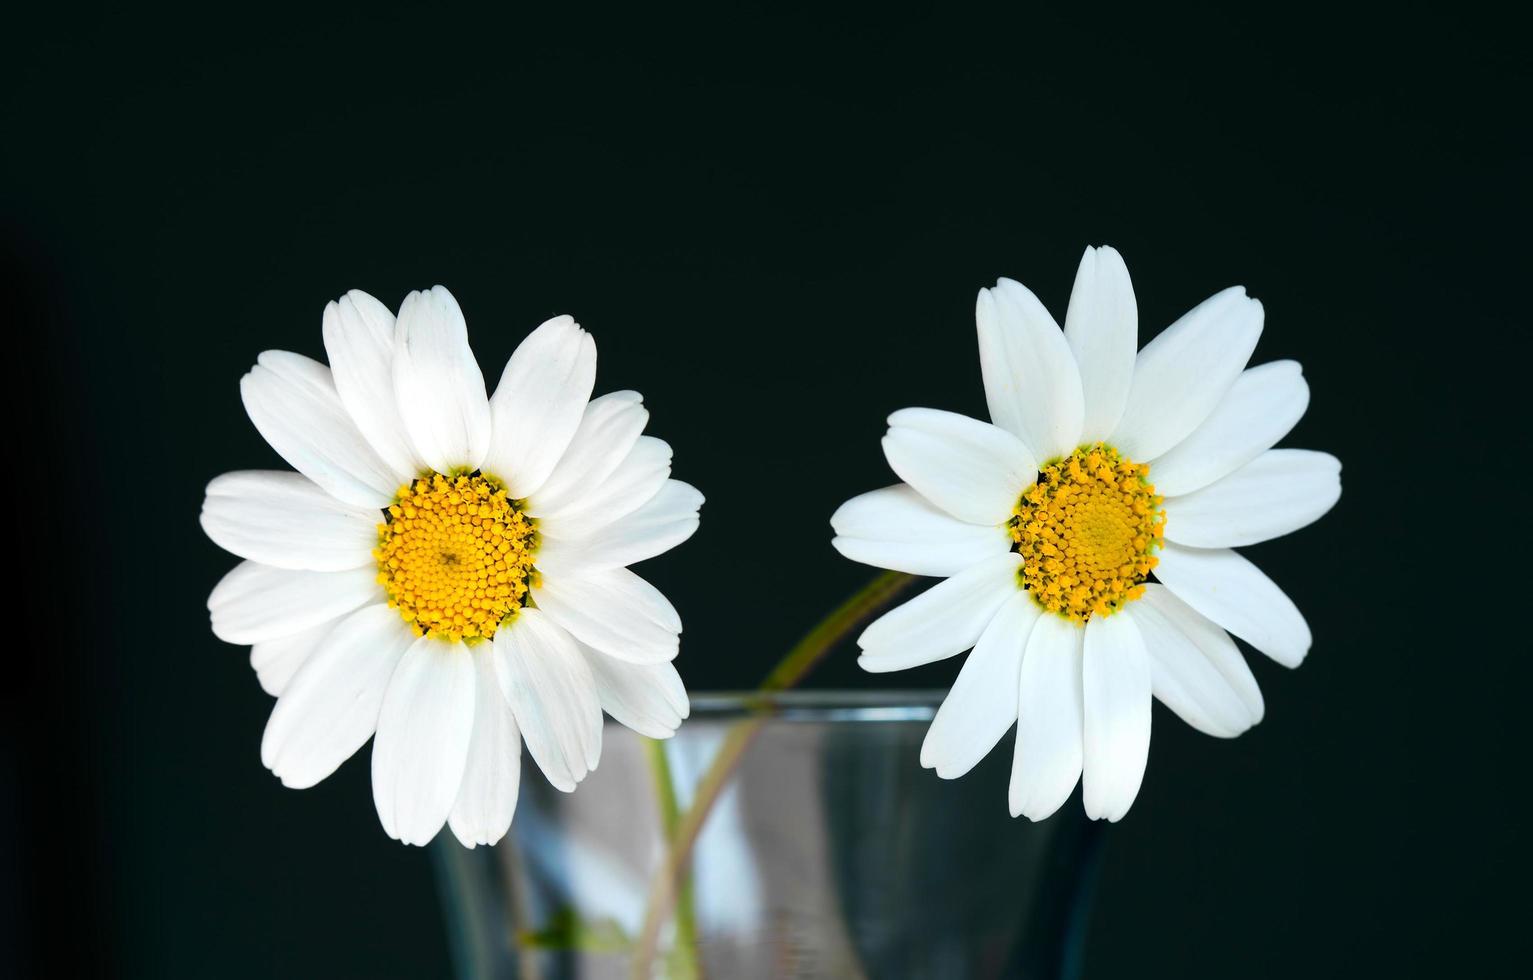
point(455, 556)
point(1085, 531)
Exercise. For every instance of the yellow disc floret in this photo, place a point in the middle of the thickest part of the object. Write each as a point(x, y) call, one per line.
point(455, 556)
point(1086, 531)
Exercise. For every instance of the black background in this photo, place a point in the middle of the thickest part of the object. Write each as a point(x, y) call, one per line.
point(775, 228)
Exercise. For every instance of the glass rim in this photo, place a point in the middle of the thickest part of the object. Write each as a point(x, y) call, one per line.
point(821, 705)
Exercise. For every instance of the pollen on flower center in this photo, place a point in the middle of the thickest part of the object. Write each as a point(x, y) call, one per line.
point(455, 556)
point(1086, 530)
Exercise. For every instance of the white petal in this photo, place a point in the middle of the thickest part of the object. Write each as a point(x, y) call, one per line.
point(1259, 409)
point(1275, 494)
point(946, 619)
point(648, 698)
point(1181, 375)
point(293, 404)
point(438, 388)
point(1195, 668)
point(1115, 681)
point(553, 696)
point(668, 519)
point(635, 482)
point(971, 469)
point(283, 519)
point(983, 702)
point(257, 602)
point(277, 660)
point(424, 730)
point(330, 708)
point(897, 528)
point(493, 773)
point(614, 611)
point(1031, 382)
point(1102, 327)
point(606, 435)
point(359, 340)
point(1234, 593)
point(539, 403)
point(1047, 762)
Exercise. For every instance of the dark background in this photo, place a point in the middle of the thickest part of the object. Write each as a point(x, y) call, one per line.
point(775, 228)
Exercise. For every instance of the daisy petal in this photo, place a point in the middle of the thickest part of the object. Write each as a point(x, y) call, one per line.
point(897, 528)
point(971, 469)
point(1275, 494)
point(1234, 593)
point(276, 661)
point(283, 519)
point(1195, 668)
point(1181, 375)
point(330, 708)
point(1047, 762)
point(668, 519)
point(359, 340)
point(1115, 681)
point(424, 729)
point(292, 402)
point(946, 619)
point(634, 482)
point(614, 611)
point(1102, 327)
point(492, 775)
point(257, 602)
point(648, 698)
point(982, 704)
point(539, 403)
point(1263, 404)
point(1031, 382)
point(606, 435)
point(553, 696)
point(438, 388)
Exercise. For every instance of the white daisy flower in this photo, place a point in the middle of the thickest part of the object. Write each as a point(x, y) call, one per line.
point(446, 572)
point(1084, 536)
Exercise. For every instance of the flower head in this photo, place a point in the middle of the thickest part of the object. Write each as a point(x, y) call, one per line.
point(1084, 535)
point(446, 572)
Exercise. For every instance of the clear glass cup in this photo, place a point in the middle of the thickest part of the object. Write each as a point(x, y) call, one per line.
point(830, 852)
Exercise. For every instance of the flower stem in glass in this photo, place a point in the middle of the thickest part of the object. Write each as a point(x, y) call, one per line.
point(793, 667)
point(685, 964)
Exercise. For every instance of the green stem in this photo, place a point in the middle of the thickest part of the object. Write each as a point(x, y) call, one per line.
point(686, 961)
point(810, 650)
point(672, 879)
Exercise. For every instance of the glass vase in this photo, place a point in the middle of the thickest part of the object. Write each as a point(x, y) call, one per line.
point(829, 852)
